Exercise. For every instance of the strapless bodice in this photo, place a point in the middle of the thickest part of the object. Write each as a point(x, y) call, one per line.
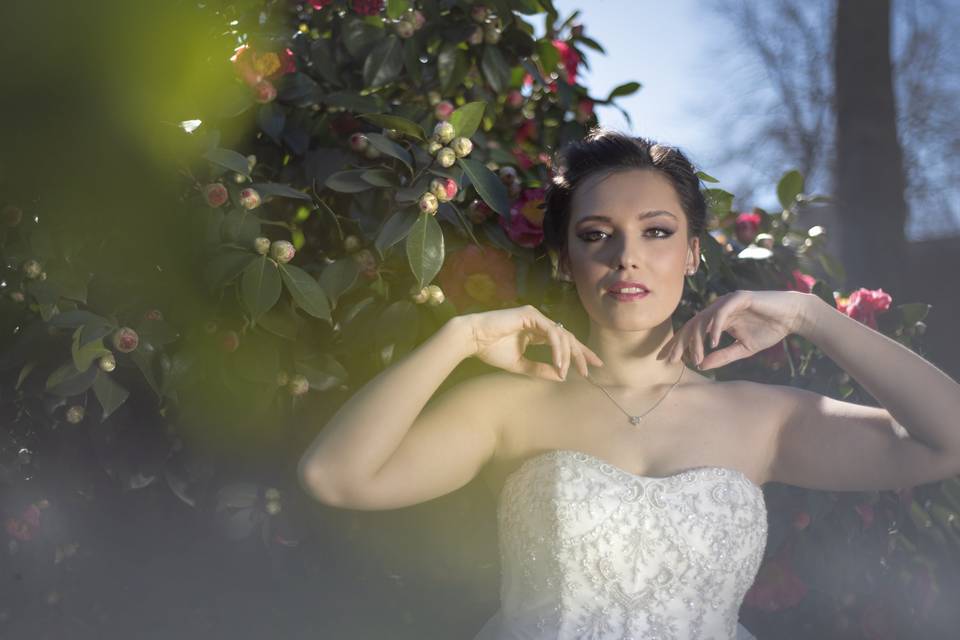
point(589, 550)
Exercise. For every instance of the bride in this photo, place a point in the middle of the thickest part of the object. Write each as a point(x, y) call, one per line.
point(629, 492)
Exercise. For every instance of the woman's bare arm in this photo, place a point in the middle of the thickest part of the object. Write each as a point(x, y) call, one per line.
point(341, 464)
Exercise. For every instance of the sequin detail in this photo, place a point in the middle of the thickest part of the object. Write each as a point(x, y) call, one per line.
point(591, 551)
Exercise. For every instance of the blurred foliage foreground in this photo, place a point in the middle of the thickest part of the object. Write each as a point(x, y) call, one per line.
point(349, 176)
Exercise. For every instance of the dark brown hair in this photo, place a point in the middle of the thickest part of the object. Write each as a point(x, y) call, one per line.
point(603, 150)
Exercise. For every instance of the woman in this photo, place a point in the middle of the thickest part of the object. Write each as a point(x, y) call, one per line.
point(629, 495)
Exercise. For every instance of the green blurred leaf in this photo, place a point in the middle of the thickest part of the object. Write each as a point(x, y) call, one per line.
point(624, 90)
point(425, 249)
point(84, 355)
point(404, 126)
point(277, 189)
point(271, 118)
point(67, 380)
point(305, 291)
point(467, 118)
point(225, 266)
point(349, 181)
point(789, 187)
point(451, 66)
point(590, 42)
point(338, 276)
point(495, 69)
point(384, 63)
point(241, 227)
point(391, 148)
point(353, 101)
point(395, 229)
point(229, 159)
point(260, 286)
point(913, 312)
point(488, 185)
point(706, 177)
point(110, 394)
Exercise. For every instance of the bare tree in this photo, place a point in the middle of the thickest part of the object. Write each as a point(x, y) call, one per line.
point(779, 108)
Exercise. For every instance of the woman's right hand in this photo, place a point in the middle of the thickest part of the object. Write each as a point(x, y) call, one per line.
point(501, 336)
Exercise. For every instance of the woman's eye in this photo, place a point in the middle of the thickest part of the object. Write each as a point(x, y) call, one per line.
point(587, 236)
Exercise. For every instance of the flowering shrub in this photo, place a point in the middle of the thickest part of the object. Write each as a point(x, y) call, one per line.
point(392, 176)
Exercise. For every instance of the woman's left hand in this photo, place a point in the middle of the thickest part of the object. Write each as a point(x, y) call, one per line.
point(756, 319)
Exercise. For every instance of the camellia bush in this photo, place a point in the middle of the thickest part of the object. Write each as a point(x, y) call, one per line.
point(375, 169)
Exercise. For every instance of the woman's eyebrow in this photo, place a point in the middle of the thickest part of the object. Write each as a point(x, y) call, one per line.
point(640, 216)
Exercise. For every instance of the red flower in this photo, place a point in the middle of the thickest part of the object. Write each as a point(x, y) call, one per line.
point(319, 4)
point(747, 225)
point(584, 110)
point(525, 226)
point(801, 282)
point(866, 513)
point(475, 276)
point(287, 62)
point(24, 527)
point(864, 305)
point(570, 59)
point(253, 67)
point(525, 131)
point(367, 7)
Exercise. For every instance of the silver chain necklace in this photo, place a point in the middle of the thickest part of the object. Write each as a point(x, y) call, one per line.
point(636, 419)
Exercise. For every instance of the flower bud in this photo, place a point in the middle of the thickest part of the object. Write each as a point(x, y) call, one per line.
point(12, 215)
point(210, 327)
point(272, 494)
point(508, 175)
point(229, 341)
point(436, 295)
point(264, 92)
point(443, 110)
point(491, 34)
point(17, 296)
point(153, 315)
point(419, 295)
point(433, 147)
point(42, 276)
point(371, 152)
point(283, 378)
point(479, 13)
point(476, 36)
point(393, 134)
point(282, 251)
point(261, 245)
point(444, 132)
point(351, 243)
point(514, 99)
point(418, 19)
point(446, 157)
point(433, 97)
point(576, 31)
point(251, 162)
point(405, 29)
point(75, 414)
point(249, 199)
point(428, 203)
point(107, 362)
point(359, 142)
point(32, 269)
point(273, 507)
point(125, 340)
point(299, 385)
point(239, 178)
point(461, 146)
point(444, 188)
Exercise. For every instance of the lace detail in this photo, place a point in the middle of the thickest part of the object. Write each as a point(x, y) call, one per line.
point(589, 550)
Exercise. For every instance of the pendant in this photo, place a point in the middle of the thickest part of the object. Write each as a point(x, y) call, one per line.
point(635, 419)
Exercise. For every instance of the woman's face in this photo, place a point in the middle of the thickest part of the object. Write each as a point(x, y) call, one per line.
point(640, 235)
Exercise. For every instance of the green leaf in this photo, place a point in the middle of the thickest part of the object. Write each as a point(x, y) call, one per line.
point(488, 185)
point(281, 321)
point(913, 312)
point(495, 69)
point(624, 90)
point(395, 229)
point(110, 394)
point(338, 276)
point(305, 291)
point(24, 372)
point(396, 8)
point(349, 181)
point(277, 189)
point(706, 177)
point(84, 355)
point(76, 318)
point(323, 61)
point(590, 42)
point(384, 63)
point(260, 286)
point(548, 54)
point(226, 266)
point(719, 201)
point(67, 380)
point(241, 227)
point(229, 159)
point(385, 145)
point(425, 249)
point(451, 66)
point(381, 177)
point(404, 126)
point(397, 327)
point(271, 119)
point(353, 101)
point(789, 187)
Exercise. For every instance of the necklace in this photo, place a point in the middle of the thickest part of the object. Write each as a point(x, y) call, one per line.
point(636, 419)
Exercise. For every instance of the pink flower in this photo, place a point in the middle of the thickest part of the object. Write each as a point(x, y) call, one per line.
point(522, 158)
point(287, 62)
point(319, 4)
point(215, 194)
point(747, 225)
point(570, 59)
point(367, 7)
point(527, 130)
point(264, 92)
point(866, 513)
point(478, 276)
point(864, 305)
point(525, 226)
point(584, 110)
point(801, 282)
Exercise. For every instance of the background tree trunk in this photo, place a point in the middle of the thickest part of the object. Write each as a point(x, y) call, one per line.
point(869, 170)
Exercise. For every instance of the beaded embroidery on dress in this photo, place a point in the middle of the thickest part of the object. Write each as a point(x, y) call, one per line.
point(591, 551)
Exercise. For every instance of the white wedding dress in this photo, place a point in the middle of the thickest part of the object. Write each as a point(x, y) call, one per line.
point(591, 551)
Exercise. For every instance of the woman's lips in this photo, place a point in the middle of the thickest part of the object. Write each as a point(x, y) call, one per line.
point(628, 297)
